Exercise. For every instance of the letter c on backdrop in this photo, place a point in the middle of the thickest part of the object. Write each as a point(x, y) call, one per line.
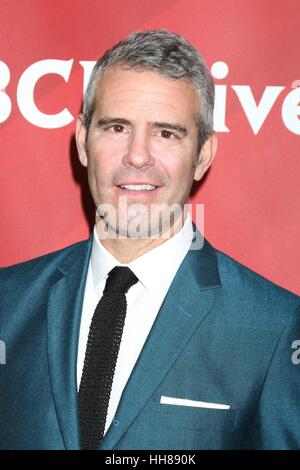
point(25, 93)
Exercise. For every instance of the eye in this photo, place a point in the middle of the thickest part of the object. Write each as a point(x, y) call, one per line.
point(117, 128)
point(166, 134)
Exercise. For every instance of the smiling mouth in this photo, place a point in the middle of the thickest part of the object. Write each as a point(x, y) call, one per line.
point(138, 187)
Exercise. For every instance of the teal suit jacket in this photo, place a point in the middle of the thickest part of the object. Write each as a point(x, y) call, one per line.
point(223, 335)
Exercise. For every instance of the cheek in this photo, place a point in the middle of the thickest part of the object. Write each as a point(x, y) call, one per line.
point(99, 163)
point(176, 157)
point(181, 174)
point(109, 146)
point(105, 158)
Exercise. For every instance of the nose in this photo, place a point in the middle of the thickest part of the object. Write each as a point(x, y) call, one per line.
point(138, 153)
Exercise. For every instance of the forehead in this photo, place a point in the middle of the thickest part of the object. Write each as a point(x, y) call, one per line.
point(144, 91)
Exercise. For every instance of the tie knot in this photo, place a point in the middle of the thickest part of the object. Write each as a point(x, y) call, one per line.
point(120, 279)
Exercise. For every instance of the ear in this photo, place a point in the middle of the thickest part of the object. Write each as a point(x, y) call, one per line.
point(81, 140)
point(206, 156)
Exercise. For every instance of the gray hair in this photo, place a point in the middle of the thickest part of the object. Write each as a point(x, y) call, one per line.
point(168, 54)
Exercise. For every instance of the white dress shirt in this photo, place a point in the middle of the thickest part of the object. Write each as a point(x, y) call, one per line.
point(155, 271)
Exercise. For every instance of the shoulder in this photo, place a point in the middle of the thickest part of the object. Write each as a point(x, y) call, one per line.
point(37, 267)
point(25, 287)
point(254, 293)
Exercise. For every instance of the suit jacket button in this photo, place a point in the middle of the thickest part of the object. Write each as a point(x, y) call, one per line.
point(116, 422)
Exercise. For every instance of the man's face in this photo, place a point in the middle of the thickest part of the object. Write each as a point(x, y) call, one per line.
point(143, 132)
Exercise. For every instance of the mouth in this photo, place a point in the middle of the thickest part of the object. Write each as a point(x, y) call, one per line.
point(134, 189)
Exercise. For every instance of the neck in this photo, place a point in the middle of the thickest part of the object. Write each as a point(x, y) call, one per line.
point(129, 248)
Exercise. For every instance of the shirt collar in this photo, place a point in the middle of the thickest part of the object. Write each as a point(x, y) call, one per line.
point(153, 268)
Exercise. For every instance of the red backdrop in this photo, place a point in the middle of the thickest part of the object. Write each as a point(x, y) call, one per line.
point(251, 194)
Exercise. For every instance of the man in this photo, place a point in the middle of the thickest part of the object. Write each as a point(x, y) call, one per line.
point(140, 337)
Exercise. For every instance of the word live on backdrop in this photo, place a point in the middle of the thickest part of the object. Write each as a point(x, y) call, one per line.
point(256, 113)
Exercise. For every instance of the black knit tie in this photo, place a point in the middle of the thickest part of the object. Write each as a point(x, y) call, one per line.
point(101, 356)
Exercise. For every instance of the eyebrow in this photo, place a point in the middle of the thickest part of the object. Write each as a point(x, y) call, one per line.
point(108, 121)
point(161, 125)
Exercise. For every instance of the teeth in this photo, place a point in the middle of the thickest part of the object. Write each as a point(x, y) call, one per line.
point(139, 187)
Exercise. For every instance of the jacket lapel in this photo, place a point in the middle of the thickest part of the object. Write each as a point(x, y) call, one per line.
point(63, 324)
point(188, 301)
